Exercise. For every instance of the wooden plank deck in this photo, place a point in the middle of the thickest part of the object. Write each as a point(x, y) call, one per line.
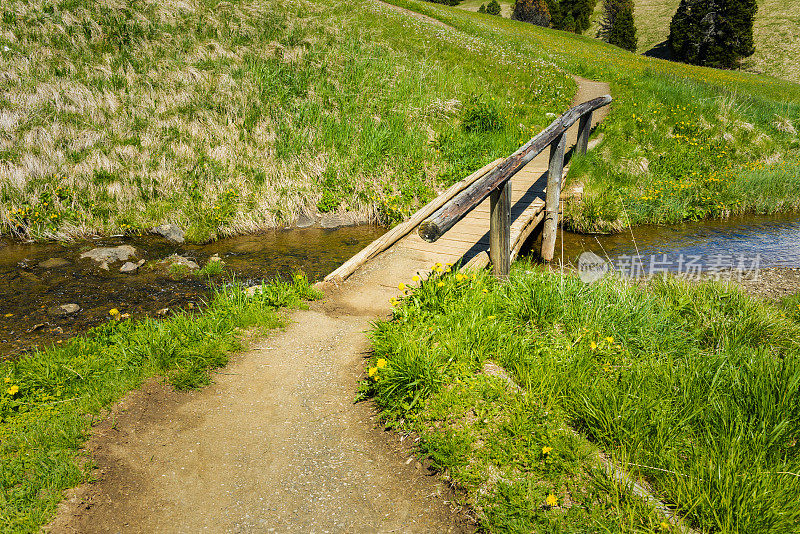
point(470, 236)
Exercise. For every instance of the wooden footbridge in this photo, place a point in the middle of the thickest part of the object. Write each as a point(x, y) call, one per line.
point(489, 216)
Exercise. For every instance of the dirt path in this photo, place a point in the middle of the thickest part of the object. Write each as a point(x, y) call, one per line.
point(276, 443)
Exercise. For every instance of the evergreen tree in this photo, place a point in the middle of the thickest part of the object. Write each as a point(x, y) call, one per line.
point(576, 14)
point(714, 33)
point(556, 17)
point(493, 8)
point(623, 33)
point(617, 26)
point(610, 10)
point(482, 9)
point(568, 24)
point(533, 11)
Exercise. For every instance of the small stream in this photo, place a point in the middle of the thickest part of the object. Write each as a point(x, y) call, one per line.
point(31, 287)
point(748, 242)
point(30, 292)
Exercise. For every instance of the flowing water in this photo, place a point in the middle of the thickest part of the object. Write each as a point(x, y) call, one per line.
point(29, 291)
point(746, 243)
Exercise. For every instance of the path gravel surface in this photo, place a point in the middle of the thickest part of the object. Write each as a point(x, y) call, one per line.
point(276, 444)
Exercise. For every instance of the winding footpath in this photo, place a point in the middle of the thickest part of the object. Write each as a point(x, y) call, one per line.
point(276, 444)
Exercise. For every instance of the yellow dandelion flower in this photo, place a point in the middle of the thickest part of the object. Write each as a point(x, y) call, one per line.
point(610, 339)
point(13, 390)
point(415, 278)
point(381, 363)
point(8, 315)
point(373, 371)
point(593, 345)
point(440, 284)
point(401, 286)
point(546, 450)
point(551, 500)
point(664, 525)
point(113, 312)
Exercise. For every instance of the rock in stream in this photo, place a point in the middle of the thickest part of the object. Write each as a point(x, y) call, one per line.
point(106, 255)
point(170, 232)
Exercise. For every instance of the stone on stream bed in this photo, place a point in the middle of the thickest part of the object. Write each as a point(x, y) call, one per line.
point(170, 232)
point(64, 310)
point(131, 267)
point(53, 263)
point(106, 255)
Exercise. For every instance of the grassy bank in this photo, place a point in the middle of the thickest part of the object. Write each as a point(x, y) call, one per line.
point(228, 117)
point(49, 399)
point(692, 388)
point(681, 142)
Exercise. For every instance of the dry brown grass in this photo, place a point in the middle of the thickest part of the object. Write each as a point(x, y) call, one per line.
point(232, 117)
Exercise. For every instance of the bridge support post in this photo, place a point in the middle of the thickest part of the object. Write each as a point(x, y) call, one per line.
point(584, 129)
point(553, 197)
point(500, 230)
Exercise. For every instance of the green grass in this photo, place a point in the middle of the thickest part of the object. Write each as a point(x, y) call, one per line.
point(227, 120)
point(506, 7)
point(692, 388)
point(681, 142)
point(50, 398)
point(229, 117)
point(214, 267)
point(775, 32)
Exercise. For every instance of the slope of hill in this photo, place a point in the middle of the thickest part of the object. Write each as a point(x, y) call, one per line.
point(682, 142)
point(230, 117)
point(777, 31)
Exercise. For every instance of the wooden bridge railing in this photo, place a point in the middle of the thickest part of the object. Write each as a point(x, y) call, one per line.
point(496, 185)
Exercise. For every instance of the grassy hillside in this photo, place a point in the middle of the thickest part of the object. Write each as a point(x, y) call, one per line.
point(228, 117)
point(506, 6)
point(682, 142)
point(777, 31)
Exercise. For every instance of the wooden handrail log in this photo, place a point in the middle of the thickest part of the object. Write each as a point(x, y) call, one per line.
point(459, 206)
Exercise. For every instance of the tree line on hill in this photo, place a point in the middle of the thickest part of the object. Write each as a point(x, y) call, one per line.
point(713, 33)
